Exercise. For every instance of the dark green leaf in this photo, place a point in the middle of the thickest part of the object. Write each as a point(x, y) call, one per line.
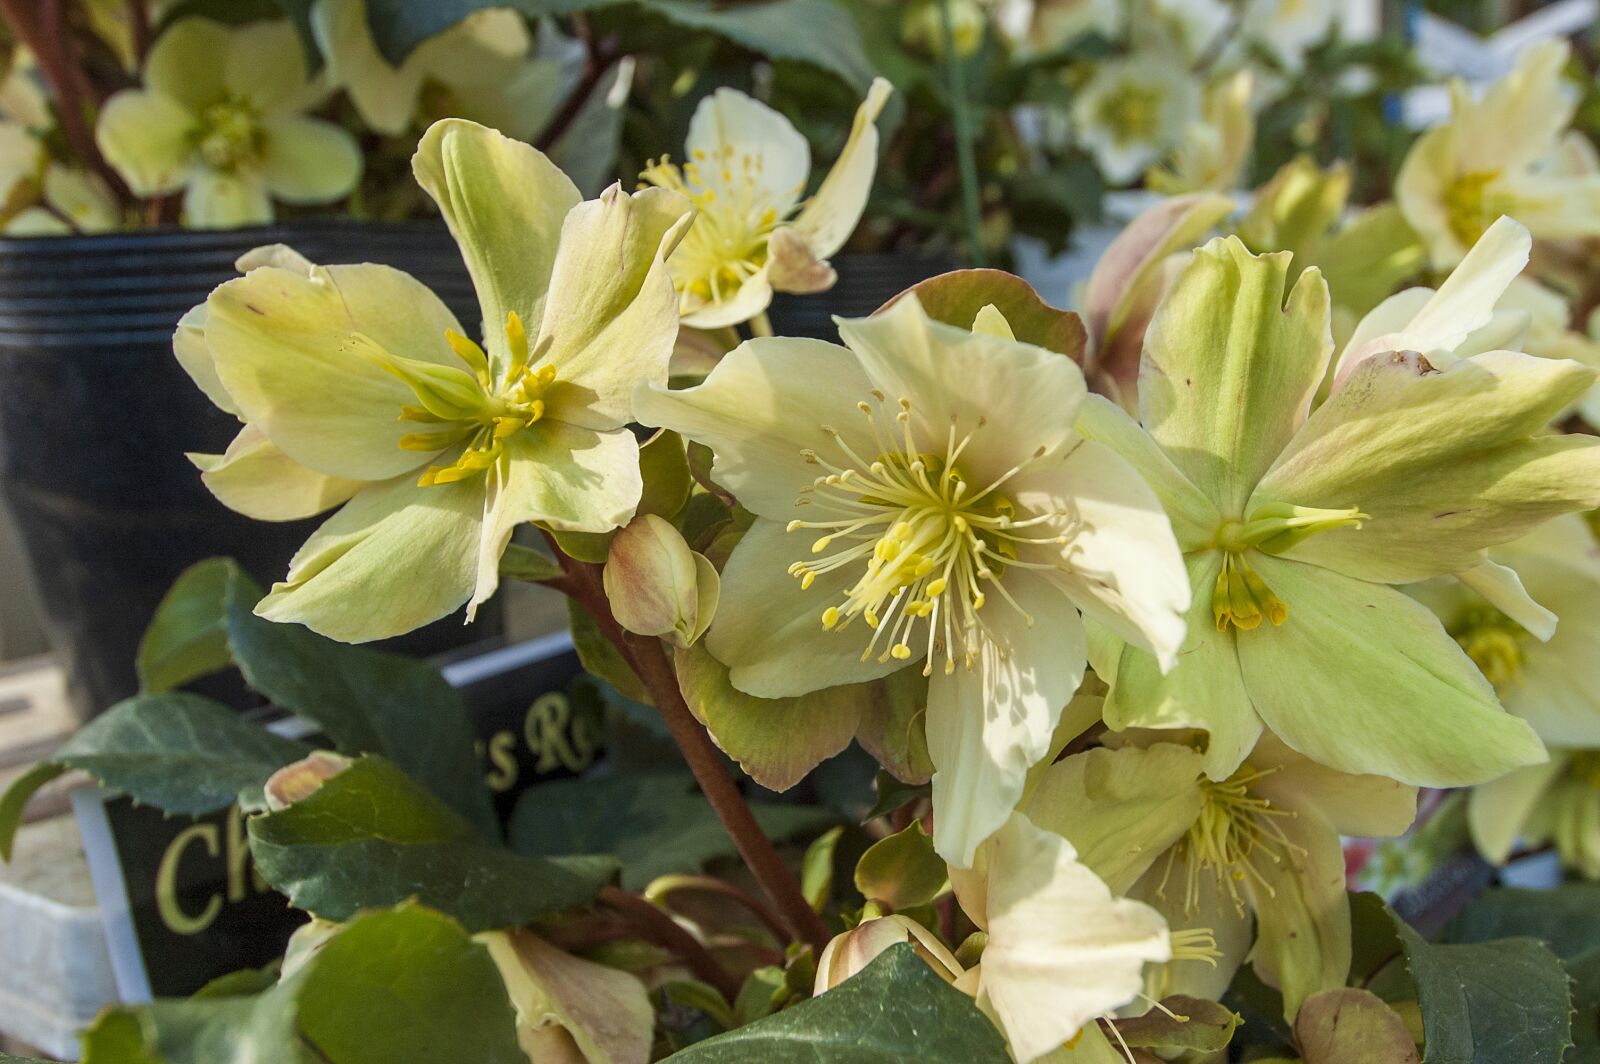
point(655, 823)
point(894, 1010)
point(1352, 1026)
point(401, 985)
point(893, 794)
point(371, 837)
point(188, 636)
point(1566, 919)
point(7, 1058)
point(816, 32)
point(600, 658)
point(15, 800)
point(1194, 1024)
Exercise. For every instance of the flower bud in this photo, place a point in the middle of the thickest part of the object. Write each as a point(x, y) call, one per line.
point(299, 780)
point(922, 27)
point(657, 585)
point(852, 951)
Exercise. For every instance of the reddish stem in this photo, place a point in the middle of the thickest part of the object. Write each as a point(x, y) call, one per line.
point(656, 926)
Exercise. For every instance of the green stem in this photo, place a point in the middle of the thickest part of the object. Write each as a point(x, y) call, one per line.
point(761, 325)
point(966, 151)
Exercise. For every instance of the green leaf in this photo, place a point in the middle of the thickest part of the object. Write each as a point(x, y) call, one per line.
point(179, 752)
point(819, 33)
point(367, 701)
point(1204, 1026)
point(15, 801)
point(529, 565)
point(664, 467)
point(893, 794)
point(816, 870)
point(1566, 919)
point(894, 1010)
point(7, 1058)
point(955, 299)
point(1352, 1026)
point(600, 658)
point(902, 871)
point(371, 837)
point(1503, 1002)
point(654, 823)
point(401, 985)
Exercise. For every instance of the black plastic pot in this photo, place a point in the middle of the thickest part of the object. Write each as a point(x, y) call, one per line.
point(96, 415)
point(866, 282)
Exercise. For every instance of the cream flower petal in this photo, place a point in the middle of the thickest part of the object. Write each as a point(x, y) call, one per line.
point(1498, 811)
point(253, 477)
point(1556, 208)
point(1296, 670)
point(567, 478)
point(1031, 395)
point(1363, 806)
point(505, 202)
point(219, 200)
point(733, 138)
point(308, 160)
point(397, 557)
point(284, 350)
point(753, 296)
point(145, 136)
point(1062, 950)
point(762, 406)
point(265, 66)
point(1503, 589)
point(384, 96)
point(611, 320)
point(1522, 115)
point(194, 355)
point(769, 632)
point(1194, 518)
point(186, 63)
point(1165, 889)
point(830, 216)
point(987, 725)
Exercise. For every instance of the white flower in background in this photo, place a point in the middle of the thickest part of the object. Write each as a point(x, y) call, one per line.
point(1290, 28)
point(221, 118)
point(1500, 155)
point(1549, 334)
point(1039, 26)
point(746, 172)
point(1215, 150)
point(70, 201)
point(1556, 803)
point(1193, 26)
point(922, 501)
point(22, 97)
point(1132, 112)
point(480, 68)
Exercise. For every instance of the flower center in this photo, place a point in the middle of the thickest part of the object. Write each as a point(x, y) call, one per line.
point(1494, 643)
point(1132, 112)
point(1241, 598)
point(1471, 207)
point(727, 244)
point(229, 135)
point(1236, 834)
point(470, 409)
point(931, 547)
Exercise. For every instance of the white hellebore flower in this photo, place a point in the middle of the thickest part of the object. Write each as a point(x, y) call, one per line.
point(746, 171)
point(478, 69)
point(1133, 111)
point(922, 501)
point(221, 117)
point(1290, 28)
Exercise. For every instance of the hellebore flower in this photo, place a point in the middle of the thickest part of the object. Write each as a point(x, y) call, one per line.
point(479, 69)
point(1294, 522)
point(1491, 158)
point(1209, 854)
point(356, 382)
point(221, 117)
point(1290, 28)
point(746, 172)
point(1214, 150)
point(1132, 112)
point(1556, 803)
point(922, 501)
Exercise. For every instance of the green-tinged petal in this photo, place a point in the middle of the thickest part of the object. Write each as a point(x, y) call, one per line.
point(145, 137)
point(1120, 808)
point(1090, 1047)
point(1012, 397)
point(612, 317)
point(282, 342)
point(743, 150)
point(505, 202)
point(605, 1011)
point(830, 216)
point(384, 96)
point(1119, 561)
point(1555, 207)
point(1062, 950)
point(568, 479)
point(1194, 518)
point(1302, 911)
point(989, 724)
point(753, 296)
point(216, 199)
point(760, 409)
point(1361, 806)
point(194, 355)
point(308, 160)
point(185, 63)
point(1229, 367)
point(1502, 588)
point(81, 197)
point(1441, 462)
point(1521, 116)
point(265, 66)
point(1363, 679)
point(253, 477)
point(1165, 888)
point(397, 557)
point(1206, 690)
point(1420, 188)
point(1498, 811)
point(769, 632)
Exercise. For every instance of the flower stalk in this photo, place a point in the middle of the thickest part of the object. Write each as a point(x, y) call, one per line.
point(966, 155)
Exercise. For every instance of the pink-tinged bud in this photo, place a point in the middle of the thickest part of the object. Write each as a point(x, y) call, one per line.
point(852, 951)
point(657, 585)
point(297, 781)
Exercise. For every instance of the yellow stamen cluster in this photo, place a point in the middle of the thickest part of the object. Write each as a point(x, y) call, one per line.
point(1471, 206)
point(931, 548)
point(1235, 836)
point(1132, 112)
point(1493, 641)
point(472, 409)
point(1241, 598)
point(229, 134)
point(736, 214)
